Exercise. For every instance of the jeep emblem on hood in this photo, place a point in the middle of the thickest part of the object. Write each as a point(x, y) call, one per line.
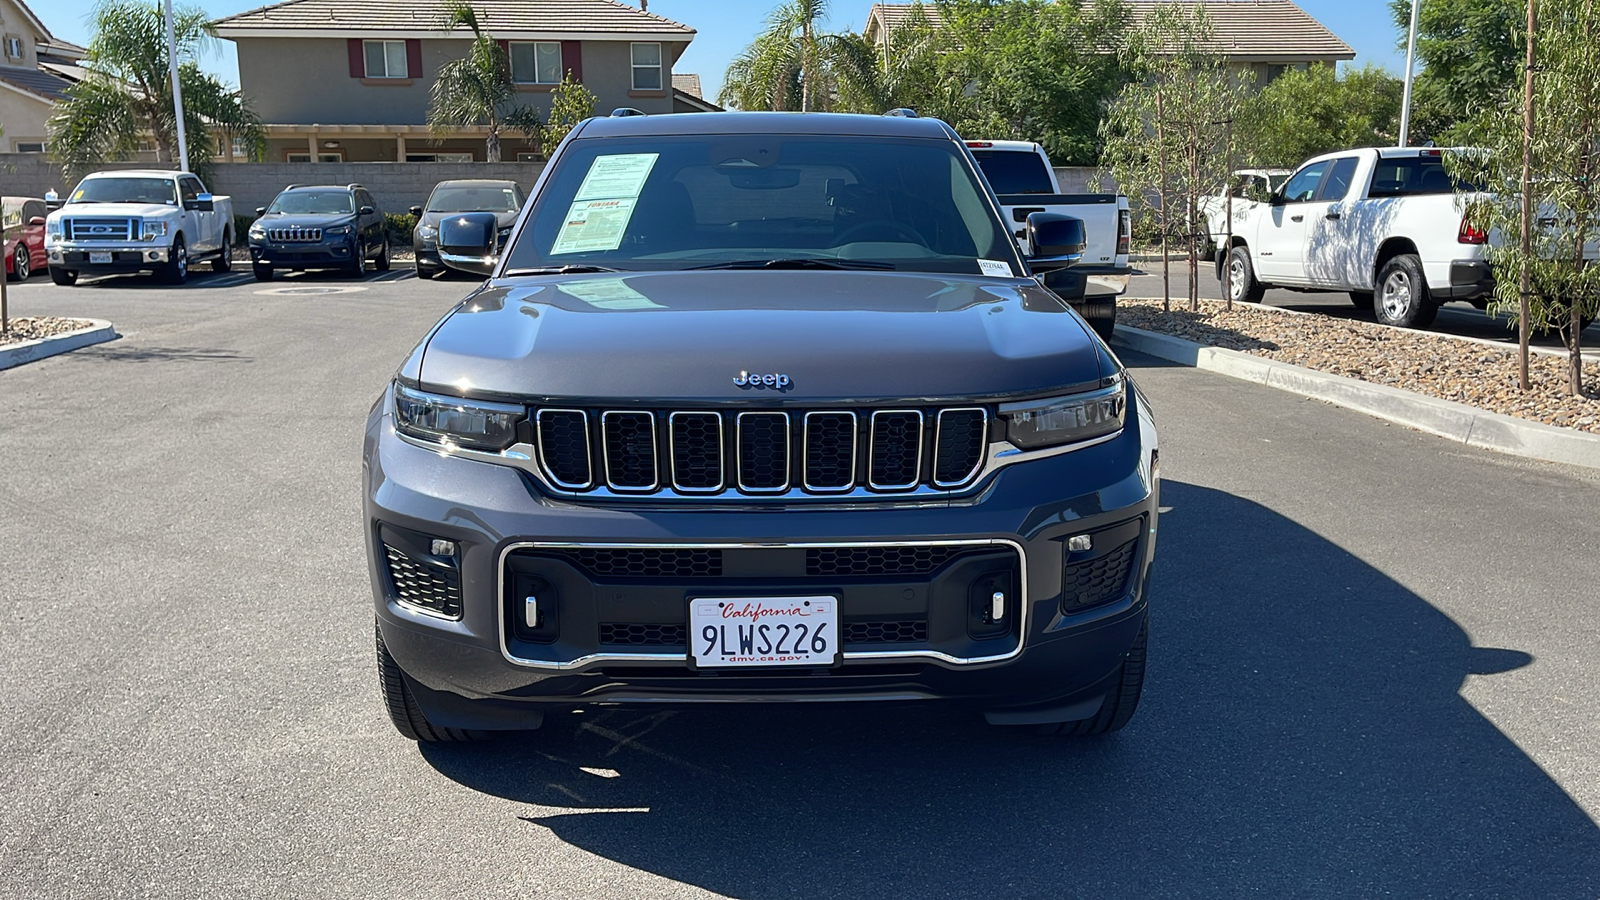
point(775, 380)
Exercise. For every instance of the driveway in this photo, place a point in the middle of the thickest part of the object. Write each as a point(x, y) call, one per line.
point(1372, 673)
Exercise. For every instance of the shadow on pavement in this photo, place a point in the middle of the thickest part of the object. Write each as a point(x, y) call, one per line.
point(115, 353)
point(1302, 735)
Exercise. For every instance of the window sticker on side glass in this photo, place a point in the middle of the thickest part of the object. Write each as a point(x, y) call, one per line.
point(600, 213)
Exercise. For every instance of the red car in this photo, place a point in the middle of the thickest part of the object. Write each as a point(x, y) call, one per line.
point(23, 220)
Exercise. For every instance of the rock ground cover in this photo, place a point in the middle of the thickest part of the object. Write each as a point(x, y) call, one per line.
point(36, 327)
point(1432, 364)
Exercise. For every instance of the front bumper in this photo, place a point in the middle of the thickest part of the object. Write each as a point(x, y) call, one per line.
point(302, 256)
point(427, 256)
point(124, 257)
point(483, 670)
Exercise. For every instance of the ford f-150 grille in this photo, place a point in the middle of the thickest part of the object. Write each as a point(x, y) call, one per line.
point(84, 229)
point(295, 234)
point(761, 452)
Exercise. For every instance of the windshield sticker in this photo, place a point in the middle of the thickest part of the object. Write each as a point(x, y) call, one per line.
point(616, 177)
point(594, 225)
point(609, 293)
point(994, 268)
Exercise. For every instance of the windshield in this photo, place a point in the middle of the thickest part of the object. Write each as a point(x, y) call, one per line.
point(477, 198)
point(125, 190)
point(1014, 171)
point(312, 203)
point(707, 201)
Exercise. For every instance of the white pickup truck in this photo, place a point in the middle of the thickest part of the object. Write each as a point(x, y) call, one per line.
point(1378, 223)
point(136, 220)
point(1020, 174)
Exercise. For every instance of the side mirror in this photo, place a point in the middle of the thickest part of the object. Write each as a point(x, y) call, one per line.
point(36, 222)
point(416, 211)
point(261, 211)
point(1277, 199)
point(1055, 241)
point(367, 210)
point(467, 242)
point(201, 202)
point(54, 203)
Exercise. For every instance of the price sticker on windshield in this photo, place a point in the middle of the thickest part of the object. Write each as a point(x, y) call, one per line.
point(617, 177)
point(594, 225)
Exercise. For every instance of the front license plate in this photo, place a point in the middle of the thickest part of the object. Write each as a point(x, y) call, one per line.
point(99, 256)
point(756, 632)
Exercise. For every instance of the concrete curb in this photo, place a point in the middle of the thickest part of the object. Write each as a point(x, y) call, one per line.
point(1445, 418)
point(31, 351)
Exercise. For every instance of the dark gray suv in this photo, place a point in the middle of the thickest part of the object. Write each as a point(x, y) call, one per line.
point(760, 407)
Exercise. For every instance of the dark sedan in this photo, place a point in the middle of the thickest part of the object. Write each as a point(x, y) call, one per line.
point(503, 198)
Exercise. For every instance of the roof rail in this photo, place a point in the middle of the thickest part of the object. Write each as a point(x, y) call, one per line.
point(353, 186)
point(625, 111)
point(903, 112)
point(293, 186)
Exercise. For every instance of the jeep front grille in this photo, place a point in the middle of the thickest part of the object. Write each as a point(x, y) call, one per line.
point(295, 234)
point(761, 452)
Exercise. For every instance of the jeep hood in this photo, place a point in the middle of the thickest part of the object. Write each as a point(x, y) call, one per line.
point(686, 335)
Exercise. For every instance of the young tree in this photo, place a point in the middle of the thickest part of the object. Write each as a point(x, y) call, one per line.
point(477, 89)
point(1169, 132)
point(126, 94)
point(1540, 167)
point(570, 104)
point(1305, 113)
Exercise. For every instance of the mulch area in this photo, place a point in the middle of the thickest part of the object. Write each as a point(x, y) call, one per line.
point(1431, 364)
point(36, 327)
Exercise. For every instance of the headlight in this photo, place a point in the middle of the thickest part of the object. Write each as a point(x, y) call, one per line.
point(1067, 420)
point(336, 231)
point(257, 233)
point(152, 230)
point(428, 232)
point(477, 424)
point(52, 232)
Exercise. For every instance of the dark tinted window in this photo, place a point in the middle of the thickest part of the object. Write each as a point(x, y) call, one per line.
point(1337, 184)
point(1014, 172)
point(475, 198)
point(1412, 175)
point(304, 203)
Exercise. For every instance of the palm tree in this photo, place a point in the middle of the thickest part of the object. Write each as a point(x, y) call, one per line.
point(126, 97)
point(477, 89)
point(792, 64)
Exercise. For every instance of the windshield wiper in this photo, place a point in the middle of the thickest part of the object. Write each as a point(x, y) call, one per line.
point(798, 263)
point(559, 270)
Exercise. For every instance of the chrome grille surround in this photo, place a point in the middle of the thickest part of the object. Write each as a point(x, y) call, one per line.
point(295, 234)
point(674, 463)
point(610, 466)
point(545, 440)
point(93, 228)
point(938, 444)
point(805, 459)
point(788, 448)
point(884, 438)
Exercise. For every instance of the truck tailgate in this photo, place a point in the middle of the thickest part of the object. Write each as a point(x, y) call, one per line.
point(1098, 212)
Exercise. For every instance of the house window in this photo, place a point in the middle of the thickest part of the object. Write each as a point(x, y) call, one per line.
point(30, 146)
point(334, 157)
point(647, 67)
point(439, 157)
point(13, 46)
point(536, 63)
point(386, 59)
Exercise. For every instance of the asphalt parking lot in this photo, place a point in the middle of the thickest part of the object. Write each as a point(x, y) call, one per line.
point(1373, 665)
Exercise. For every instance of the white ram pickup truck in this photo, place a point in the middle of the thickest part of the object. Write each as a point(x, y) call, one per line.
point(1024, 182)
point(137, 220)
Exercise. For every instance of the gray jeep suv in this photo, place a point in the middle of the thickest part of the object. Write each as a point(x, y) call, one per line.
point(760, 407)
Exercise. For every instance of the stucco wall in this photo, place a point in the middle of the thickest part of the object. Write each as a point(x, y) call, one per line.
point(22, 117)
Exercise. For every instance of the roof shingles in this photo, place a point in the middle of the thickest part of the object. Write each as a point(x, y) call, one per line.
point(500, 17)
point(36, 82)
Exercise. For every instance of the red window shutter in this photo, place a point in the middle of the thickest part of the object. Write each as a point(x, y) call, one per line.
point(413, 58)
point(505, 47)
point(358, 61)
point(572, 59)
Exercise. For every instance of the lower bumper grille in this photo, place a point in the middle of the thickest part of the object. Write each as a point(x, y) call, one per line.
point(1100, 580)
point(422, 584)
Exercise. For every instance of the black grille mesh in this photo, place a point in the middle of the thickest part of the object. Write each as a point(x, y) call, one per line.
point(564, 444)
point(764, 451)
point(906, 631)
point(430, 587)
point(644, 562)
point(830, 450)
point(697, 450)
point(961, 441)
point(642, 634)
point(896, 448)
point(843, 561)
point(630, 450)
point(1098, 580)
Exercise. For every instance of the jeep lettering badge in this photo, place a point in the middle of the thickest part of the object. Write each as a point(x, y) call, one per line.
point(776, 380)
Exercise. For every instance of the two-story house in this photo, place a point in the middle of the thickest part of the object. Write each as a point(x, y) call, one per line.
point(36, 69)
point(349, 80)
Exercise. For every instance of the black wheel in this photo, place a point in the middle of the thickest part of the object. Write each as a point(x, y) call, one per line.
point(63, 277)
point(358, 260)
point(263, 272)
point(1101, 314)
point(19, 263)
point(403, 709)
point(1403, 299)
point(1121, 700)
point(224, 260)
point(429, 271)
point(176, 270)
point(1239, 278)
point(1361, 299)
point(382, 265)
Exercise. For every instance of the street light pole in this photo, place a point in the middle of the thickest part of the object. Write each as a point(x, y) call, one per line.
point(1405, 101)
point(177, 92)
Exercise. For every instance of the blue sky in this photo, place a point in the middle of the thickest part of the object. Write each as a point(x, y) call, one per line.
point(725, 26)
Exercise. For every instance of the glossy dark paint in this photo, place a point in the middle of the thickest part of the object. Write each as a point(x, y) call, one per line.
point(427, 253)
point(371, 232)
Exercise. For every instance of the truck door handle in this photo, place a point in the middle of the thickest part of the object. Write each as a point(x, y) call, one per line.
point(1297, 218)
point(1332, 217)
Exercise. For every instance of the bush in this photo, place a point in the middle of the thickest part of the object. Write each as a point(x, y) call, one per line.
point(400, 226)
point(241, 229)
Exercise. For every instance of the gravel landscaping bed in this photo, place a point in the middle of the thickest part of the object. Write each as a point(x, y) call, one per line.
point(1439, 366)
point(32, 329)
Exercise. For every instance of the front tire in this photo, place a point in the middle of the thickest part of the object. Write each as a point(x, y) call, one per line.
point(382, 265)
point(262, 272)
point(1239, 278)
point(177, 268)
point(1403, 299)
point(224, 260)
point(358, 260)
point(404, 712)
point(63, 277)
point(20, 269)
point(1120, 702)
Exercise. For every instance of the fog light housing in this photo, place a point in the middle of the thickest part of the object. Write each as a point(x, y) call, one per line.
point(420, 580)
